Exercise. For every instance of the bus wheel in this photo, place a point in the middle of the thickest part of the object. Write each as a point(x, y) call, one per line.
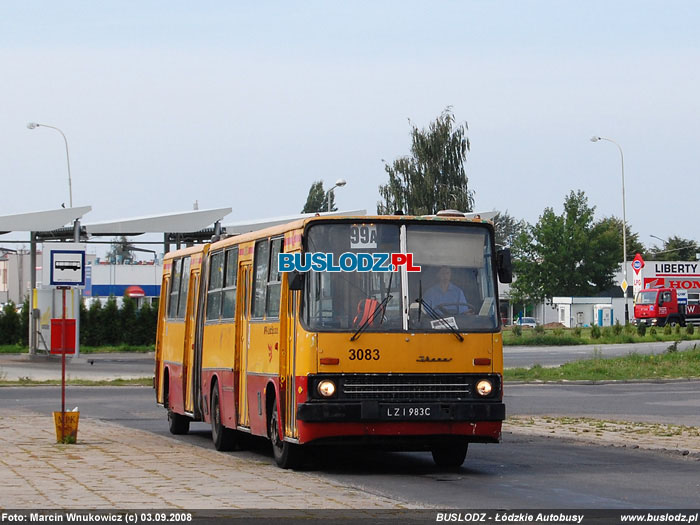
point(450, 455)
point(287, 455)
point(177, 423)
point(224, 438)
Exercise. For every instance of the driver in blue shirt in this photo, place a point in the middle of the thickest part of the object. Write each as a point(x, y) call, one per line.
point(444, 297)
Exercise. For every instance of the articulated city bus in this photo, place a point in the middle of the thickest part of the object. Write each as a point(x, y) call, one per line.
point(356, 342)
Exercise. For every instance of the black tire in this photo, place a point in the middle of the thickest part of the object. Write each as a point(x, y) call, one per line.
point(452, 455)
point(177, 423)
point(287, 455)
point(224, 438)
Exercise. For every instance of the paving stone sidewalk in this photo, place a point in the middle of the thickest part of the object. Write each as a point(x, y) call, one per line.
point(114, 467)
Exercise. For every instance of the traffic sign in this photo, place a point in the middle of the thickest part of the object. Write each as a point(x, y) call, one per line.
point(64, 264)
point(623, 285)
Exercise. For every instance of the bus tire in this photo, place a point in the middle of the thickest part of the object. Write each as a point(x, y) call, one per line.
point(224, 438)
point(450, 455)
point(287, 455)
point(177, 423)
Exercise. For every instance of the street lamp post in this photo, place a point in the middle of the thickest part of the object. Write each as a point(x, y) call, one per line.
point(624, 221)
point(33, 125)
point(338, 184)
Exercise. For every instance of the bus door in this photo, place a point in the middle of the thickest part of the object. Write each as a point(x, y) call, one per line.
point(188, 354)
point(243, 341)
point(160, 336)
point(288, 367)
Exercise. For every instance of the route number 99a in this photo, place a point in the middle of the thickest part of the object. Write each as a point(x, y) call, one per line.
point(363, 354)
point(363, 236)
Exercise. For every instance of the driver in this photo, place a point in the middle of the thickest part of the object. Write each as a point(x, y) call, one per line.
point(444, 296)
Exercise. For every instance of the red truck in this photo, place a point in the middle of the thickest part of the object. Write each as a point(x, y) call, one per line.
point(661, 306)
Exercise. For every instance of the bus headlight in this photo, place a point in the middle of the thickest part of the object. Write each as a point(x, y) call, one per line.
point(484, 387)
point(326, 388)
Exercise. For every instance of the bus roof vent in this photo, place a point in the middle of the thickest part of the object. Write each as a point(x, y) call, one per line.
point(450, 213)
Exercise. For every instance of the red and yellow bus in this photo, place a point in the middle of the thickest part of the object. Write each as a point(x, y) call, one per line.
point(398, 359)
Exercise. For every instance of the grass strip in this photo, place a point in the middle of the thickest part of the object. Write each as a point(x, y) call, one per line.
point(668, 365)
point(587, 336)
point(25, 381)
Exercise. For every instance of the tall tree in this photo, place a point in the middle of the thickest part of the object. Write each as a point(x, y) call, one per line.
point(675, 249)
point(565, 254)
point(317, 201)
point(432, 177)
point(612, 226)
point(508, 228)
point(121, 251)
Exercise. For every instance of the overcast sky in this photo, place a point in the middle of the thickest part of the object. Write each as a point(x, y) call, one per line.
point(245, 104)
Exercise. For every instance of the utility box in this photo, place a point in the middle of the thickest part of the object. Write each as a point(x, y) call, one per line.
point(62, 336)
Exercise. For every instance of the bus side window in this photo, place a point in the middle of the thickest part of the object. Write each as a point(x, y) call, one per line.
point(174, 289)
point(274, 280)
point(184, 288)
point(230, 283)
point(216, 277)
point(261, 264)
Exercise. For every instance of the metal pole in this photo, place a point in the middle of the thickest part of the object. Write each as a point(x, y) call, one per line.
point(624, 223)
point(32, 280)
point(63, 366)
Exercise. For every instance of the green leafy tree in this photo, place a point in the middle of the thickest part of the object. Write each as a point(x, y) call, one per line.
point(147, 324)
point(129, 321)
point(675, 249)
point(508, 228)
point(9, 325)
point(565, 254)
point(111, 333)
point(316, 200)
point(95, 333)
point(432, 177)
point(121, 251)
point(614, 226)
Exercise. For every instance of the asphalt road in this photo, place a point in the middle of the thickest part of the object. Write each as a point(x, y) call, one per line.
point(521, 472)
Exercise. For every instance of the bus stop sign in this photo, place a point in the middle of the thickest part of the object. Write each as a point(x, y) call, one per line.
point(67, 268)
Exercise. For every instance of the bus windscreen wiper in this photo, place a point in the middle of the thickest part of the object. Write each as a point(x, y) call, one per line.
point(431, 311)
point(380, 308)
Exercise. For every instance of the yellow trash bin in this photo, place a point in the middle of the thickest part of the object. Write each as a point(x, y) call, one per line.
point(66, 429)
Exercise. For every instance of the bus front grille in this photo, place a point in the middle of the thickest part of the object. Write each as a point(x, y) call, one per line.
point(407, 387)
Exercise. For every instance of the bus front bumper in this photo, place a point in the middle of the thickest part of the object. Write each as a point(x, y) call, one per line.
point(360, 411)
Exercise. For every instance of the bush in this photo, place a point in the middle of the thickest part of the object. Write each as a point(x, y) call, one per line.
point(577, 331)
point(667, 329)
point(617, 327)
point(10, 324)
point(558, 332)
point(595, 332)
point(539, 329)
point(690, 329)
point(678, 329)
point(629, 329)
point(652, 330)
point(517, 330)
point(641, 330)
point(608, 331)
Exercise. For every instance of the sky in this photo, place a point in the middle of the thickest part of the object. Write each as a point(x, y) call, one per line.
point(245, 104)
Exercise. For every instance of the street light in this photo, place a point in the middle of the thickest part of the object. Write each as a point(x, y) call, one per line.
point(33, 125)
point(338, 184)
point(655, 237)
point(624, 221)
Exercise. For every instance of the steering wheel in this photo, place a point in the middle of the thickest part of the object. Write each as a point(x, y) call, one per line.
point(454, 308)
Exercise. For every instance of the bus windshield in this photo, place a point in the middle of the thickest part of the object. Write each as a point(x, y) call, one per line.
point(455, 289)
